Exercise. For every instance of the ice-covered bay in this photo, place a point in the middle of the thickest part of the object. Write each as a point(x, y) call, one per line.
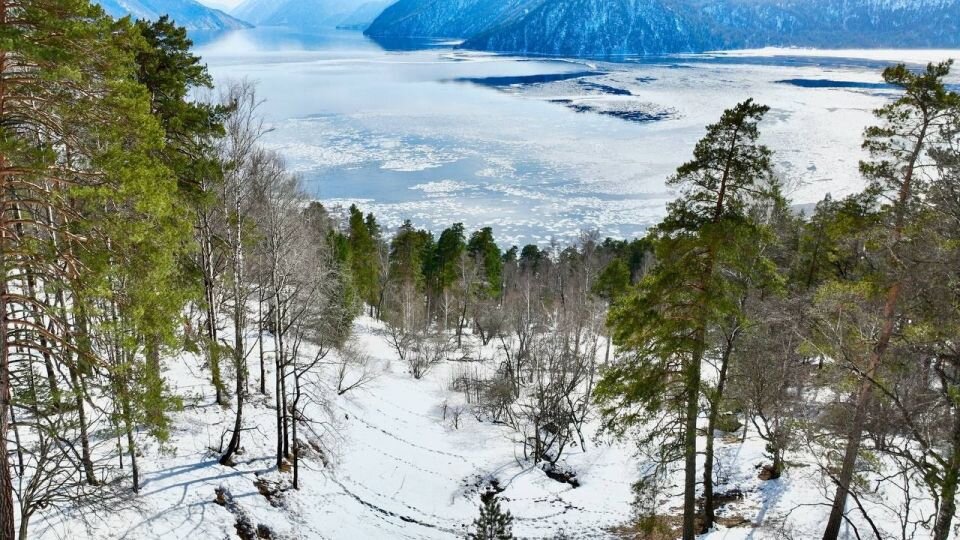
point(540, 148)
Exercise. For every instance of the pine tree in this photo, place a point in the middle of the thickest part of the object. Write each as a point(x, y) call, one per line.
point(484, 249)
point(664, 326)
point(899, 149)
point(91, 227)
point(364, 235)
point(170, 71)
point(444, 265)
point(493, 523)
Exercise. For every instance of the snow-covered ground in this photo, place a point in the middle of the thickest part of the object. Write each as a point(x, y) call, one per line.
point(384, 463)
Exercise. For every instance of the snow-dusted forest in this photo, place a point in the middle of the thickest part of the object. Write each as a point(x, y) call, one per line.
point(195, 345)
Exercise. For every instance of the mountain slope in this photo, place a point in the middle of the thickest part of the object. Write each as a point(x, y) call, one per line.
point(447, 18)
point(187, 13)
point(307, 14)
point(626, 27)
point(599, 27)
point(363, 16)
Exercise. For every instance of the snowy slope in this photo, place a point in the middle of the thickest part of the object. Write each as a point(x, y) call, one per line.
point(381, 462)
point(187, 13)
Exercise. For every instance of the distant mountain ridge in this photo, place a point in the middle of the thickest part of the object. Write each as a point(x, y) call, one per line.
point(446, 18)
point(187, 13)
point(310, 14)
point(635, 27)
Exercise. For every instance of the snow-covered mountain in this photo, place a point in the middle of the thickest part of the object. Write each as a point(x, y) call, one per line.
point(187, 13)
point(447, 18)
point(616, 27)
point(306, 14)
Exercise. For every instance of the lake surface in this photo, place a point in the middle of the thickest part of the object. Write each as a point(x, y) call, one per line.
point(537, 148)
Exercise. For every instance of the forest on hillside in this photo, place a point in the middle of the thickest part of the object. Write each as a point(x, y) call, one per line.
point(141, 217)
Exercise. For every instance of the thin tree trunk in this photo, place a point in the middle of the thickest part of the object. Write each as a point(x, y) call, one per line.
point(209, 289)
point(709, 506)
point(234, 445)
point(7, 524)
point(277, 390)
point(286, 412)
point(131, 443)
point(38, 320)
point(865, 389)
point(948, 488)
point(239, 348)
point(263, 369)
point(85, 457)
point(296, 447)
point(16, 440)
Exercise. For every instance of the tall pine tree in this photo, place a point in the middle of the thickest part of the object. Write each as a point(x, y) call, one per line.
point(664, 326)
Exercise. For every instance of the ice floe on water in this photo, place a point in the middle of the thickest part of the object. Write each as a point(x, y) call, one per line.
point(542, 148)
point(442, 187)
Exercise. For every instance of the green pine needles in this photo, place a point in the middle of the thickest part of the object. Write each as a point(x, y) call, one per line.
point(493, 523)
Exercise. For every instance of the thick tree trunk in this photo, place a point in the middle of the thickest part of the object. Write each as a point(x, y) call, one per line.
point(777, 468)
point(24, 527)
point(7, 524)
point(692, 383)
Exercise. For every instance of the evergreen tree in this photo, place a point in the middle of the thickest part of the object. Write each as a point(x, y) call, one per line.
point(364, 235)
point(899, 148)
point(169, 71)
point(91, 225)
point(443, 270)
point(485, 251)
point(493, 523)
point(664, 326)
point(410, 253)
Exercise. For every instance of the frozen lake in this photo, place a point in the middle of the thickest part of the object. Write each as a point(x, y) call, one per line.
point(539, 148)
